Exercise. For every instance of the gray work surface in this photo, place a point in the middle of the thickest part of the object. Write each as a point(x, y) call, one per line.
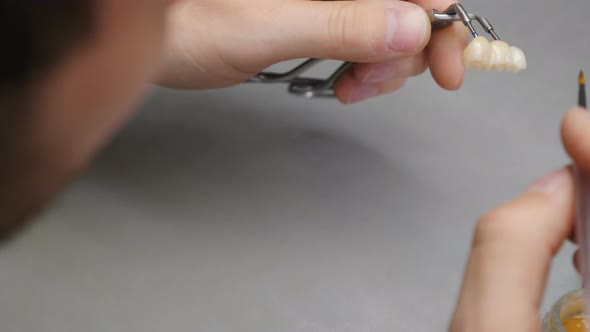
point(251, 210)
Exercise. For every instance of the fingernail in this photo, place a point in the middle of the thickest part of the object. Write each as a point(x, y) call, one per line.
point(550, 183)
point(362, 92)
point(407, 28)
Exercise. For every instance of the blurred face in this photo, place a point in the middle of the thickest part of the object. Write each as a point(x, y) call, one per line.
point(79, 103)
point(94, 89)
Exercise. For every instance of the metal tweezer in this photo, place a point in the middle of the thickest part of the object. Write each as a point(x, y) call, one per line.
point(313, 87)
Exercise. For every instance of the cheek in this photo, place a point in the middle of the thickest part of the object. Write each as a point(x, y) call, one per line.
point(133, 46)
point(94, 92)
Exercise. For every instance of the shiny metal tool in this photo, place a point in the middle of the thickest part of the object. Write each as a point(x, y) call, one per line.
point(313, 87)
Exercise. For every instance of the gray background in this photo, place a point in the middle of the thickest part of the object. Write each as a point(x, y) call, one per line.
point(251, 210)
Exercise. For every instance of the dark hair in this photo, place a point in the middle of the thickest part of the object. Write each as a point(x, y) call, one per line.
point(35, 36)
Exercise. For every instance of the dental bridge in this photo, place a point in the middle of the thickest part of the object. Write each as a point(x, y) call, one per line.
point(479, 54)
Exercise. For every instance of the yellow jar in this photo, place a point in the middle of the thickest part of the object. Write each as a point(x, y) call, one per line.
point(567, 314)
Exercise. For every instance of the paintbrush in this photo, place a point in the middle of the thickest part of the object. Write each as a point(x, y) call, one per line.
point(581, 90)
point(582, 205)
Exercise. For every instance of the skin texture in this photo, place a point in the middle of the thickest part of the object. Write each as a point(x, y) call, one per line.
point(77, 105)
point(572, 133)
point(120, 61)
point(81, 102)
point(514, 244)
point(196, 44)
point(219, 43)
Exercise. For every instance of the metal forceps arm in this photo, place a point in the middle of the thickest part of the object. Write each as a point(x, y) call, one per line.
point(456, 12)
point(313, 87)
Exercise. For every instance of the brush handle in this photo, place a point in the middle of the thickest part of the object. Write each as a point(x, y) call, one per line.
point(583, 225)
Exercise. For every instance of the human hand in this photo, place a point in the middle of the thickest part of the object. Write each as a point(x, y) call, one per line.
point(574, 132)
point(514, 244)
point(511, 254)
point(219, 43)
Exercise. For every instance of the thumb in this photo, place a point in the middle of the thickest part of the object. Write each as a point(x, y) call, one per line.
point(359, 31)
point(512, 251)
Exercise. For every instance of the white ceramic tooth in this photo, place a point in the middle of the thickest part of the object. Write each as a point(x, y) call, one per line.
point(512, 67)
point(500, 55)
point(518, 60)
point(477, 53)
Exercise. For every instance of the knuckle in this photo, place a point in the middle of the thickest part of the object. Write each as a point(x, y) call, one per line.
point(409, 67)
point(422, 64)
point(348, 28)
point(494, 218)
point(525, 220)
point(339, 26)
point(495, 222)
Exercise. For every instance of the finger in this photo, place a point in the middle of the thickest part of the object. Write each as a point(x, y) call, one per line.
point(446, 49)
point(445, 56)
point(348, 90)
point(512, 251)
point(574, 130)
point(576, 260)
point(575, 133)
point(434, 4)
point(385, 71)
point(572, 237)
point(439, 5)
point(358, 31)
